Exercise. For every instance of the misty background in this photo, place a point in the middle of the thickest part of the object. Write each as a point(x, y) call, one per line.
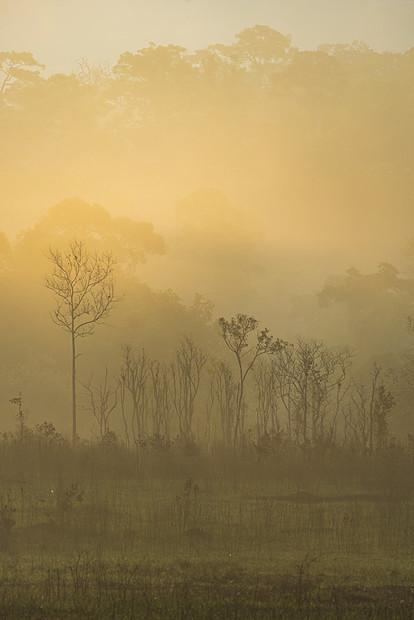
point(207, 308)
point(253, 175)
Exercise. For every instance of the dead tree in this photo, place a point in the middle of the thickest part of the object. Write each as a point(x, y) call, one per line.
point(311, 383)
point(226, 394)
point(103, 399)
point(366, 413)
point(84, 287)
point(267, 418)
point(133, 379)
point(160, 405)
point(185, 383)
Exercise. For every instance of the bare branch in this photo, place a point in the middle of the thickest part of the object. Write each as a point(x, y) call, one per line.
point(84, 287)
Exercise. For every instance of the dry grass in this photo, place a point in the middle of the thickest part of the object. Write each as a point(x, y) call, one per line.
point(171, 535)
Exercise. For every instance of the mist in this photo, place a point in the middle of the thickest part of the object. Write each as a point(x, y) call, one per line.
point(206, 264)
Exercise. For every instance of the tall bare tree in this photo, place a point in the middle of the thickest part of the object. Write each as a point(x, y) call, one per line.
point(84, 286)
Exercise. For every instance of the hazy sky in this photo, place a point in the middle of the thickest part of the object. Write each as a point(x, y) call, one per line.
point(59, 32)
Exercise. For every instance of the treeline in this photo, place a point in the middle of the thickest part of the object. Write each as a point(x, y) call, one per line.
point(161, 370)
point(302, 395)
point(293, 135)
point(261, 61)
point(165, 372)
point(256, 392)
point(314, 150)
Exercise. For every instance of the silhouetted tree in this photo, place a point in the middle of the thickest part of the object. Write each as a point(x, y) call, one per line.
point(366, 413)
point(256, 46)
point(134, 378)
point(268, 423)
point(185, 384)
point(160, 404)
point(84, 286)
point(103, 399)
point(225, 390)
point(311, 384)
point(17, 68)
point(236, 334)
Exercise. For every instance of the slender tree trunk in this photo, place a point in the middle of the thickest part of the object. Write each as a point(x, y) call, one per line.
point(305, 417)
point(239, 404)
point(74, 431)
point(375, 374)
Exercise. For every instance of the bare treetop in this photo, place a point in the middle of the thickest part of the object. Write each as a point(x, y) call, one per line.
point(84, 285)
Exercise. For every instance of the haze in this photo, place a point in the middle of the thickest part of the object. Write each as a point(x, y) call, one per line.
point(59, 33)
point(207, 309)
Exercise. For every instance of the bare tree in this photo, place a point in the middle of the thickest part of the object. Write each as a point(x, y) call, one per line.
point(226, 392)
point(134, 380)
point(159, 402)
point(366, 413)
point(91, 74)
point(83, 283)
point(236, 334)
point(186, 376)
point(268, 424)
point(311, 385)
point(103, 399)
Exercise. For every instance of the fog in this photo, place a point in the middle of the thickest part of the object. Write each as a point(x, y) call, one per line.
point(249, 173)
point(206, 256)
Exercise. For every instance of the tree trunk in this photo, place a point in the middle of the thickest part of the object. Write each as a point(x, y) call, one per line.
point(74, 431)
point(239, 404)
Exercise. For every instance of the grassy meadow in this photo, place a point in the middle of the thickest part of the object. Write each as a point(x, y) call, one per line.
point(97, 531)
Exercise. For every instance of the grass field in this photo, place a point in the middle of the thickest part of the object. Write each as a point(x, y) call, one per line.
point(99, 532)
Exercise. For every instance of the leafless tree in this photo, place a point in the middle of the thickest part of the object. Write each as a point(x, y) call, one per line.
point(160, 405)
point(226, 394)
point(103, 399)
point(311, 383)
point(122, 391)
point(268, 423)
point(84, 287)
point(134, 378)
point(185, 379)
point(366, 412)
point(357, 417)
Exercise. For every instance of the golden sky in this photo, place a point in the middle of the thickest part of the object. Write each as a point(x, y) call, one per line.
point(59, 32)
